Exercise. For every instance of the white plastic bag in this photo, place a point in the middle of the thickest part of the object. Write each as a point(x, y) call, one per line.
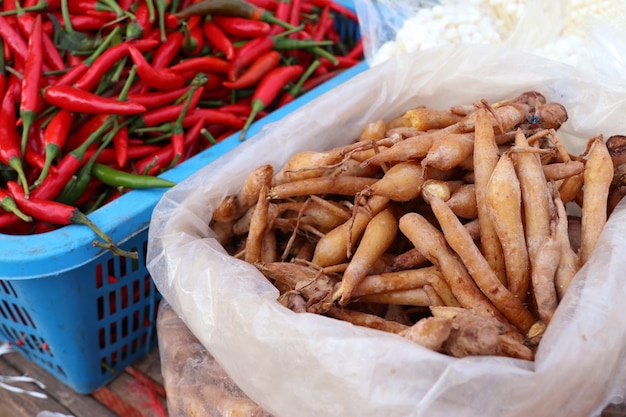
point(307, 365)
point(588, 35)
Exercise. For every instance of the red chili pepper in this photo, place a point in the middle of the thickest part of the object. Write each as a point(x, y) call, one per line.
point(282, 13)
point(84, 128)
point(87, 6)
point(319, 79)
point(206, 63)
point(294, 13)
point(167, 114)
point(325, 21)
point(216, 36)
point(357, 51)
point(218, 94)
point(74, 73)
point(8, 219)
point(261, 66)
point(168, 50)
point(51, 54)
point(78, 67)
point(160, 79)
point(30, 82)
point(152, 164)
point(264, 4)
point(241, 109)
point(295, 90)
point(73, 99)
point(55, 135)
point(240, 27)
point(52, 185)
point(72, 59)
point(171, 21)
point(120, 144)
point(336, 7)
point(143, 20)
point(48, 5)
point(13, 40)
point(10, 152)
point(247, 54)
point(158, 98)
point(80, 22)
point(109, 157)
point(213, 116)
point(267, 90)
point(342, 62)
point(104, 62)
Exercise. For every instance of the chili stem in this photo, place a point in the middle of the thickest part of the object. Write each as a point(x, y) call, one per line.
point(65, 12)
point(209, 137)
point(116, 251)
point(151, 12)
point(8, 205)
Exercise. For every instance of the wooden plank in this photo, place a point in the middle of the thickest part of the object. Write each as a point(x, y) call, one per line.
point(23, 405)
point(78, 405)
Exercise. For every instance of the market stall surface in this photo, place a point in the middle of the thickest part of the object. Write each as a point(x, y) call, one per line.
point(137, 392)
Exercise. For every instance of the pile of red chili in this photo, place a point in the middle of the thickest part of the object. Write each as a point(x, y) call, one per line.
point(98, 97)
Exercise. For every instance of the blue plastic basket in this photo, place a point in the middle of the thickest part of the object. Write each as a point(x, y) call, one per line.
point(83, 314)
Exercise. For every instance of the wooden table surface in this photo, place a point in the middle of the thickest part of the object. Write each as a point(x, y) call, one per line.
point(138, 392)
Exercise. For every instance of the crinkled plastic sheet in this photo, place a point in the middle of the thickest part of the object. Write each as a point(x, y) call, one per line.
point(307, 365)
point(543, 28)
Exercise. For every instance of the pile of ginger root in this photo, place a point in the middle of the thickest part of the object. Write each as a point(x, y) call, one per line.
point(458, 228)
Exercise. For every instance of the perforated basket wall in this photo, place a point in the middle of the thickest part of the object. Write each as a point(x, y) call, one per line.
point(81, 313)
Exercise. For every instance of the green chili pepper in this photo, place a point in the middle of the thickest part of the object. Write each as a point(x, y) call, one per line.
point(117, 178)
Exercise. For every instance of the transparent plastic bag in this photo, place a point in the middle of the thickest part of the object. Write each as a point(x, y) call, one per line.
point(195, 383)
point(308, 365)
point(588, 35)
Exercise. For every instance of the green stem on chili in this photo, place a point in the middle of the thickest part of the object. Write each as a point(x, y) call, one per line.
point(161, 6)
point(295, 89)
point(118, 70)
point(7, 203)
point(151, 11)
point(174, 6)
point(321, 52)
point(65, 13)
point(75, 188)
point(209, 137)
